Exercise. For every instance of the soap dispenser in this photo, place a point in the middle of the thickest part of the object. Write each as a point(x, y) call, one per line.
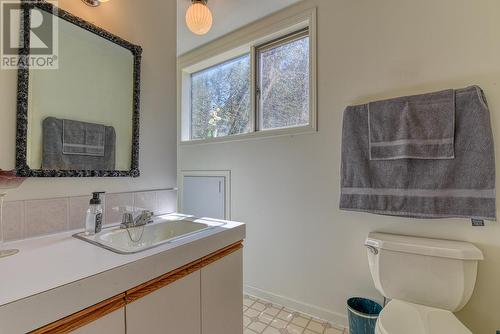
point(93, 220)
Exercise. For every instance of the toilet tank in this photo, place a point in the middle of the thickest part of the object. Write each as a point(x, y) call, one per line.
point(431, 272)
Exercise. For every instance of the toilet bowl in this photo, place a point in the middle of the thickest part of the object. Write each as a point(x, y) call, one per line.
point(426, 279)
point(400, 317)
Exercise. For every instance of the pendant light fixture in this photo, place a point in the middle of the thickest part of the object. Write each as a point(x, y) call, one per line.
point(94, 3)
point(199, 17)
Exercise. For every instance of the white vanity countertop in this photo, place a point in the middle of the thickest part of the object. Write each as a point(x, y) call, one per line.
point(54, 267)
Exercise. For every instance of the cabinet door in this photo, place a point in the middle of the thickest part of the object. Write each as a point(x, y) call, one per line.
point(204, 196)
point(113, 323)
point(173, 309)
point(222, 295)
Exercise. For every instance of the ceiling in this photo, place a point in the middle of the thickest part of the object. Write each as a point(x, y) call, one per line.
point(228, 15)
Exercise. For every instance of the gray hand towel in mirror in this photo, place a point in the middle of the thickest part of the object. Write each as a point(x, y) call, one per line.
point(54, 157)
point(83, 138)
point(413, 127)
point(423, 188)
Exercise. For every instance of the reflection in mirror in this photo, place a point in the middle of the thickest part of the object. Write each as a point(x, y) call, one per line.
point(82, 117)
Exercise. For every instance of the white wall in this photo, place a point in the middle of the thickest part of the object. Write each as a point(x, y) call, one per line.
point(299, 245)
point(153, 26)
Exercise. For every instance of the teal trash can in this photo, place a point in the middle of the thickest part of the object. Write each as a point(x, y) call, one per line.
point(363, 314)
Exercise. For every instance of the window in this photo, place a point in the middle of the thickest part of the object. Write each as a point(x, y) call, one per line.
point(283, 82)
point(260, 86)
point(220, 100)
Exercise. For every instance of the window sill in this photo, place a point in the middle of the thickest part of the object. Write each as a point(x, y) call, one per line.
point(253, 135)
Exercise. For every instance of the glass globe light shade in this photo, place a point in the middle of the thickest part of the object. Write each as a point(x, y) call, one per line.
point(199, 18)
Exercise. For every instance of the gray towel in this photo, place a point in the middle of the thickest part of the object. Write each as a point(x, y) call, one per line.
point(423, 188)
point(83, 138)
point(54, 157)
point(413, 127)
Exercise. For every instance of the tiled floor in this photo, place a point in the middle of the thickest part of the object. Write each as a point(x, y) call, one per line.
point(261, 317)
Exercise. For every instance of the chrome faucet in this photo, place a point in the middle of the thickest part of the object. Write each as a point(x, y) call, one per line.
point(144, 218)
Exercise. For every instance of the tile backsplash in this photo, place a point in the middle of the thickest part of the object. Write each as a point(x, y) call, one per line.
point(27, 219)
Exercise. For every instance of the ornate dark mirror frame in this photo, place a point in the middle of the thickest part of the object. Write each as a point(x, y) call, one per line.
point(22, 167)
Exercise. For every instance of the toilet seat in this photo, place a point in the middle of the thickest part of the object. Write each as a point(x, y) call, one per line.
point(400, 317)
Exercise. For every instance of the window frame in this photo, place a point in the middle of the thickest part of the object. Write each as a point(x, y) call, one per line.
point(258, 50)
point(248, 40)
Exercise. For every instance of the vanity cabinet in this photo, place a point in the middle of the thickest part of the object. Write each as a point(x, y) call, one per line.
point(173, 309)
point(208, 301)
point(113, 323)
point(221, 295)
point(202, 297)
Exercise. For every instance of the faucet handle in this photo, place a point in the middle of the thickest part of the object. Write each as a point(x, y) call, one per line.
point(144, 218)
point(148, 213)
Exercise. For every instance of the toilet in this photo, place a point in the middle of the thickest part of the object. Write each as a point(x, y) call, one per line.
point(426, 280)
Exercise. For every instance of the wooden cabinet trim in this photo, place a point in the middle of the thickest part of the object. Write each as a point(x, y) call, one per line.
point(84, 317)
point(93, 313)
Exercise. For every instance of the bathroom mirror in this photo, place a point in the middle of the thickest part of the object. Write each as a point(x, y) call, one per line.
point(81, 117)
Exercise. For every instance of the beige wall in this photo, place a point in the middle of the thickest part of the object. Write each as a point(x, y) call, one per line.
point(300, 247)
point(153, 26)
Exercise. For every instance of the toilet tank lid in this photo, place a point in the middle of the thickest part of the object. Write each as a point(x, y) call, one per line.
point(452, 249)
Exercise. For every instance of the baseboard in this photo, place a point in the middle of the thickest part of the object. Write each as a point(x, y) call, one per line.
point(336, 319)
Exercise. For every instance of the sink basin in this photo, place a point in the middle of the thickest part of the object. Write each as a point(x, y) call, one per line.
point(138, 239)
